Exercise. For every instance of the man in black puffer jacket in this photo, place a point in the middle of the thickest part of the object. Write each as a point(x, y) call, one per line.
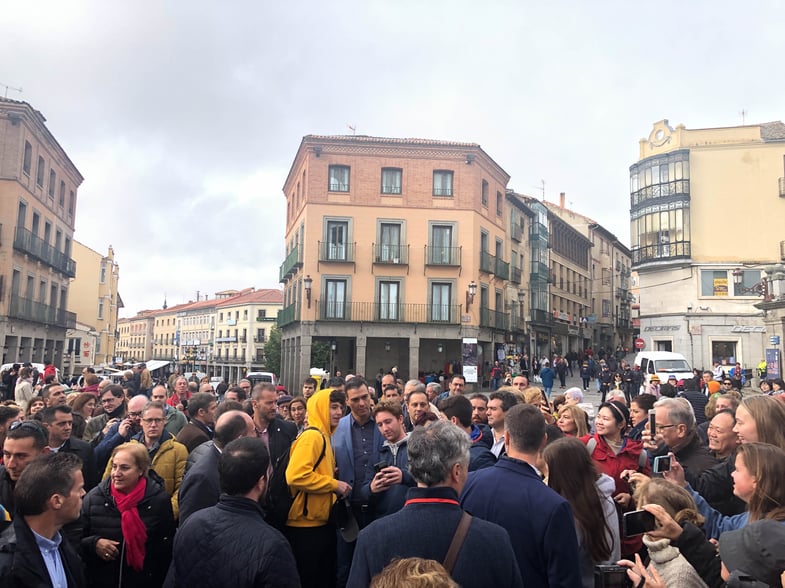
point(230, 544)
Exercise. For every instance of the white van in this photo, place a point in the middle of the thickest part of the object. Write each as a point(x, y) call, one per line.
point(663, 363)
point(259, 377)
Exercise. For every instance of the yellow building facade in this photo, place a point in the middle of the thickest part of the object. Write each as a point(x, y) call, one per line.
point(706, 210)
point(95, 300)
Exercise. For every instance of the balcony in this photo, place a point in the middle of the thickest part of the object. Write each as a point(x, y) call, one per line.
point(386, 253)
point(243, 339)
point(26, 242)
point(541, 316)
point(515, 276)
point(661, 252)
point(388, 312)
point(450, 256)
point(486, 262)
point(538, 232)
point(623, 323)
point(516, 233)
point(782, 187)
point(539, 272)
point(501, 269)
point(336, 252)
point(292, 262)
point(287, 315)
point(493, 319)
point(38, 312)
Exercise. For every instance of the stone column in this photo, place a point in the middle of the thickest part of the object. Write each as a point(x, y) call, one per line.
point(414, 356)
point(361, 342)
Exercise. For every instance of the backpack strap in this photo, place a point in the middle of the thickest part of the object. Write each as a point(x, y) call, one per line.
point(457, 541)
point(643, 459)
point(591, 445)
point(315, 465)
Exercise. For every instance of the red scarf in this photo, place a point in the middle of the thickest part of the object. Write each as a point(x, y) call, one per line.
point(134, 531)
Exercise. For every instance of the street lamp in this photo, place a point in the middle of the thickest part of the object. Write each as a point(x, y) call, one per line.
point(308, 283)
point(470, 293)
point(761, 288)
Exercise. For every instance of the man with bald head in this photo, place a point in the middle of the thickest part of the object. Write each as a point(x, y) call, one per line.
point(121, 432)
point(201, 486)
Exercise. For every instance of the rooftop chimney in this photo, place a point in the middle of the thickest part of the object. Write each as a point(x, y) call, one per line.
point(561, 199)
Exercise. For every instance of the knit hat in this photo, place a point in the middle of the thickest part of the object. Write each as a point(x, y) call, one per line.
point(654, 378)
point(758, 550)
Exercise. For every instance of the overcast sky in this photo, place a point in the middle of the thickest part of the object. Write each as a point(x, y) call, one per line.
point(184, 116)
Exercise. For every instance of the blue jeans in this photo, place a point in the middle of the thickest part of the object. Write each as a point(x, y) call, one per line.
point(548, 391)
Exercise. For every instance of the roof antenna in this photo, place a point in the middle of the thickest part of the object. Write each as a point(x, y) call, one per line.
point(353, 128)
point(743, 114)
point(7, 87)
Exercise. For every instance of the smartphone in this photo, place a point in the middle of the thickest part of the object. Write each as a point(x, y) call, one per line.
point(611, 576)
point(652, 423)
point(378, 467)
point(637, 522)
point(661, 464)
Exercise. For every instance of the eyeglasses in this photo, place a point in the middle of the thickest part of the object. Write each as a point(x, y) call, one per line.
point(661, 427)
point(726, 383)
point(135, 415)
point(153, 421)
point(108, 400)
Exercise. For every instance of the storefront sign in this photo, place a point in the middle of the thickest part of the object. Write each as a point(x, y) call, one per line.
point(747, 329)
point(772, 363)
point(469, 359)
point(661, 328)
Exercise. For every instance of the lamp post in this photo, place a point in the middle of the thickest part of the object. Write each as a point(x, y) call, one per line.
point(333, 347)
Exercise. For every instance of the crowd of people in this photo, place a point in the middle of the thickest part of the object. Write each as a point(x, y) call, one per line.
point(352, 483)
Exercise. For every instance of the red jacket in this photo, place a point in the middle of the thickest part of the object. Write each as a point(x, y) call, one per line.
point(631, 457)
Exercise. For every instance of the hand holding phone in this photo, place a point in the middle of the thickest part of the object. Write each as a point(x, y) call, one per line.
point(638, 522)
point(661, 464)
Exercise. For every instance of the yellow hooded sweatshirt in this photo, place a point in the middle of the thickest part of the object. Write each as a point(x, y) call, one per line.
point(313, 490)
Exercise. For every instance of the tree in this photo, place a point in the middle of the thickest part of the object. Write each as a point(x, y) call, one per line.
point(272, 351)
point(320, 354)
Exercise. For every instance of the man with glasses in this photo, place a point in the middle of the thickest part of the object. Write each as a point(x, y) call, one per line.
point(676, 432)
point(112, 402)
point(24, 441)
point(121, 432)
point(726, 385)
point(175, 420)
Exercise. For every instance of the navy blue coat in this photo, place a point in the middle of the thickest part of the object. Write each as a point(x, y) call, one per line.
point(392, 499)
point(201, 485)
point(539, 521)
point(344, 455)
point(425, 528)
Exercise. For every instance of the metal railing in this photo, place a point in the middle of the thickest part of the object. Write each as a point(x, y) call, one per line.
point(442, 255)
point(486, 262)
point(293, 260)
point(493, 319)
point(38, 312)
point(336, 252)
point(392, 254)
point(541, 316)
point(396, 312)
point(501, 269)
point(538, 231)
point(26, 242)
point(287, 315)
point(661, 252)
point(515, 275)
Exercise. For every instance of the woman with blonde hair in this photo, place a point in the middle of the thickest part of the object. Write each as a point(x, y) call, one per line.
point(413, 572)
point(573, 421)
point(665, 557)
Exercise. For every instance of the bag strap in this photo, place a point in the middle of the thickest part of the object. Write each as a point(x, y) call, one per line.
point(324, 447)
point(457, 541)
point(591, 445)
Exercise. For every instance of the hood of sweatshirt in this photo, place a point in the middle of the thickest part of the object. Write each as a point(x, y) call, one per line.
point(319, 411)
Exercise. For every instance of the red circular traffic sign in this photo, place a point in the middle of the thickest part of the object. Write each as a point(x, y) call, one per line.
point(640, 343)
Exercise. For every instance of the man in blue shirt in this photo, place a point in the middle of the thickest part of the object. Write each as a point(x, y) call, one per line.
point(32, 550)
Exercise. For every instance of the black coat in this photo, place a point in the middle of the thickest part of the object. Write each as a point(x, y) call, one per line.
point(22, 565)
point(83, 451)
point(281, 434)
point(229, 544)
point(7, 490)
point(201, 485)
point(715, 484)
point(101, 519)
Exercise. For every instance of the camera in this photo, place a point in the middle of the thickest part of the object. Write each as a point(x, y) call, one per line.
point(637, 522)
point(611, 576)
point(661, 464)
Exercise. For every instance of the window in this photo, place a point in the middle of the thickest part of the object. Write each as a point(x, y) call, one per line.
point(61, 200)
point(58, 239)
point(245, 314)
point(337, 239)
point(71, 203)
point(391, 180)
point(338, 178)
point(484, 193)
point(442, 183)
point(21, 215)
point(749, 279)
point(52, 182)
point(47, 232)
point(39, 176)
point(100, 309)
point(441, 251)
point(260, 335)
point(261, 314)
point(388, 301)
point(27, 162)
point(390, 242)
point(606, 308)
point(714, 283)
point(441, 297)
point(36, 223)
point(724, 352)
point(499, 201)
point(103, 273)
point(335, 304)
